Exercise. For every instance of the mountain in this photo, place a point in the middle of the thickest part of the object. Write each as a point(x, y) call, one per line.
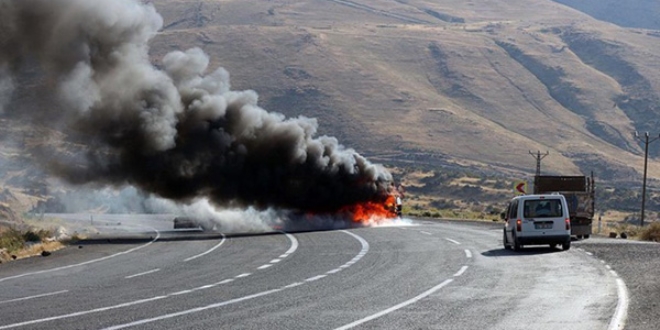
point(442, 83)
point(451, 84)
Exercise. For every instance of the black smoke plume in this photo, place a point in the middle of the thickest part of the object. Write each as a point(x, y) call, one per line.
point(177, 131)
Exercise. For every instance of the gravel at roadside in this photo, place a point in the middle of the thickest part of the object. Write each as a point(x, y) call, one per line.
point(638, 264)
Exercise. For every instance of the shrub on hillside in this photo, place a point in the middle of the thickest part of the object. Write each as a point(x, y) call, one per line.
point(11, 240)
point(651, 232)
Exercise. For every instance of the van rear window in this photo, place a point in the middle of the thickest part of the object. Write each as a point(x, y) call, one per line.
point(543, 208)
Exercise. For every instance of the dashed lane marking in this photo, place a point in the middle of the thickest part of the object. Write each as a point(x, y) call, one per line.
point(453, 241)
point(143, 273)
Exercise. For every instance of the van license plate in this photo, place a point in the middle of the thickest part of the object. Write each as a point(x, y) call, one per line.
point(543, 225)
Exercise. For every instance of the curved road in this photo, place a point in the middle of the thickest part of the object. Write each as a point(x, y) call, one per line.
point(428, 275)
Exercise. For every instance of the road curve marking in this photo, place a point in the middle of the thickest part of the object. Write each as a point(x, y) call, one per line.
point(461, 271)
point(86, 262)
point(365, 248)
point(618, 321)
point(468, 253)
point(35, 296)
point(207, 251)
point(396, 307)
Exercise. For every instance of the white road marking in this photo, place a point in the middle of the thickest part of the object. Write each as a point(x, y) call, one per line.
point(35, 296)
point(618, 321)
point(264, 266)
point(336, 270)
point(588, 253)
point(399, 306)
point(226, 281)
point(190, 311)
point(294, 245)
point(180, 292)
point(317, 277)
point(86, 262)
point(293, 285)
point(461, 271)
point(365, 248)
point(96, 310)
point(143, 273)
point(208, 251)
point(468, 253)
point(425, 232)
point(243, 275)
point(274, 261)
point(451, 240)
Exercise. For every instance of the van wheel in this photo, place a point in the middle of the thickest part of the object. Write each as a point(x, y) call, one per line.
point(566, 245)
point(506, 244)
point(516, 243)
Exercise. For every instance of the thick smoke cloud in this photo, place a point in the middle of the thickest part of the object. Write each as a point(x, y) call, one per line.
point(178, 131)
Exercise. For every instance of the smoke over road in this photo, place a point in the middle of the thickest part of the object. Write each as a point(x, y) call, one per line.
point(178, 131)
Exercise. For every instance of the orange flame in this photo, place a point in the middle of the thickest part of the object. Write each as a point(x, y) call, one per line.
point(372, 212)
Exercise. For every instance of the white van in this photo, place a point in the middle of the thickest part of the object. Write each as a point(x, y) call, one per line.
point(535, 220)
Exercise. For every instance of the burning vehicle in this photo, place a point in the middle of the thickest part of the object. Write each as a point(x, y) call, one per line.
point(176, 130)
point(193, 223)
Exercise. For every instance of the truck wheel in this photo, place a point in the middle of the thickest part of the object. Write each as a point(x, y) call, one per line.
point(566, 245)
point(516, 243)
point(506, 244)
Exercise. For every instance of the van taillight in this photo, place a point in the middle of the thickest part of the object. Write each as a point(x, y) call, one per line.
point(568, 224)
point(518, 225)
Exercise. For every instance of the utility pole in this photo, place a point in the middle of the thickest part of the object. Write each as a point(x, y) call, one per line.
point(646, 142)
point(538, 157)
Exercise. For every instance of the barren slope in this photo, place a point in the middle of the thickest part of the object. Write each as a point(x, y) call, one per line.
point(478, 83)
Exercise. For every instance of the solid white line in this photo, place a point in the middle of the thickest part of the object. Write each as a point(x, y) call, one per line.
point(226, 281)
point(399, 306)
point(336, 270)
point(451, 240)
point(468, 253)
point(264, 266)
point(36, 296)
point(293, 285)
point(294, 245)
point(143, 273)
point(190, 311)
point(180, 292)
point(618, 321)
point(208, 251)
point(461, 271)
point(425, 233)
point(86, 262)
point(317, 277)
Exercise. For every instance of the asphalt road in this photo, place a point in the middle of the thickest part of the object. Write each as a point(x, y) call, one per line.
point(428, 275)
